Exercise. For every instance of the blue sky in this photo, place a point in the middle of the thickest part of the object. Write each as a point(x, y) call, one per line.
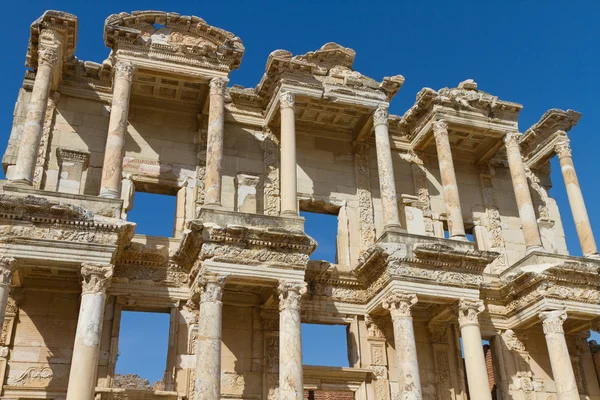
point(540, 54)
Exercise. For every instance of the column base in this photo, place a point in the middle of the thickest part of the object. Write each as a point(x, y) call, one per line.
point(592, 256)
point(21, 182)
point(289, 213)
point(460, 238)
point(109, 194)
point(533, 249)
point(394, 228)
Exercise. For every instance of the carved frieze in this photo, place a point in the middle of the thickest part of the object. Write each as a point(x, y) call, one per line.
point(363, 188)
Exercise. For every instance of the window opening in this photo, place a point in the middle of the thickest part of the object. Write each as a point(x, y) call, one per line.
point(468, 232)
point(137, 367)
point(154, 214)
point(325, 345)
point(324, 229)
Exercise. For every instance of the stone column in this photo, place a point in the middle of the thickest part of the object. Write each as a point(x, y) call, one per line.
point(409, 381)
point(595, 350)
point(208, 345)
point(385, 168)
point(456, 226)
point(112, 168)
point(477, 377)
point(86, 350)
point(7, 267)
point(291, 381)
point(531, 233)
point(580, 215)
point(560, 361)
point(214, 142)
point(289, 184)
point(34, 119)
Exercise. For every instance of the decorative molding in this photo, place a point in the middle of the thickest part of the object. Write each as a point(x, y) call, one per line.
point(380, 116)
point(286, 100)
point(290, 294)
point(211, 288)
point(468, 311)
point(552, 321)
point(365, 199)
point(563, 147)
point(96, 278)
point(218, 86)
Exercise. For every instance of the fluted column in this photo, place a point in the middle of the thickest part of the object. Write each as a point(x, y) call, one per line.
point(86, 350)
point(7, 267)
point(289, 184)
point(560, 361)
point(531, 233)
point(291, 381)
point(385, 168)
point(409, 381)
point(456, 226)
point(214, 142)
point(468, 320)
point(208, 345)
point(112, 168)
point(34, 119)
point(578, 209)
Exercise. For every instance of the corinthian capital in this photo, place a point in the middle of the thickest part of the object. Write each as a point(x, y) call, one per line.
point(380, 115)
point(96, 278)
point(47, 56)
point(124, 69)
point(552, 321)
point(7, 267)
point(211, 288)
point(468, 311)
point(290, 294)
point(440, 128)
point(399, 304)
point(286, 100)
point(563, 147)
point(218, 86)
point(511, 139)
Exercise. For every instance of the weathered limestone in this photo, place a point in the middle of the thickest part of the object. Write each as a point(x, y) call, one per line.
point(214, 142)
point(580, 215)
point(72, 165)
point(387, 185)
point(112, 168)
point(36, 111)
point(289, 183)
point(86, 350)
point(246, 193)
point(207, 385)
point(456, 226)
point(7, 267)
point(477, 378)
point(560, 361)
point(533, 240)
point(409, 381)
point(291, 385)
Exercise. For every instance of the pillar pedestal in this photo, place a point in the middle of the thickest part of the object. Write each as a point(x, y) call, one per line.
point(385, 168)
point(7, 267)
point(34, 119)
point(289, 184)
point(477, 377)
point(578, 209)
point(409, 381)
point(214, 142)
point(86, 350)
point(112, 169)
point(531, 233)
point(560, 361)
point(208, 345)
point(456, 225)
point(291, 380)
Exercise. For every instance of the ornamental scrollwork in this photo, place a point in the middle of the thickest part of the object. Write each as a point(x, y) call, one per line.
point(7, 267)
point(468, 311)
point(286, 100)
point(552, 321)
point(380, 116)
point(511, 140)
point(218, 86)
point(96, 278)
point(440, 128)
point(563, 147)
point(374, 326)
point(211, 288)
point(399, 304)
point(48, 57)
point(290, 294)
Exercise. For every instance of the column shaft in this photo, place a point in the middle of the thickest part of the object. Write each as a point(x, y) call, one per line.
point(214, 142)
point(208, 345)
point(477, 377)
point(456, 226)
point(7, 267)
point(289, 184)
point(112, 168)
point(387, 184)
point(86, 350)
point(409, 380)
point(531, 233)
point(578, 209)
point(560, 361)
point(291, 381)
point(34, 119)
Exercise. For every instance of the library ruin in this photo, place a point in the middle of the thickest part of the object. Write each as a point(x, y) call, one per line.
point(452, 276)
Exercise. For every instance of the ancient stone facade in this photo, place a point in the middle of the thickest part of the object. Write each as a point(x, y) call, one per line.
point(416, 293)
